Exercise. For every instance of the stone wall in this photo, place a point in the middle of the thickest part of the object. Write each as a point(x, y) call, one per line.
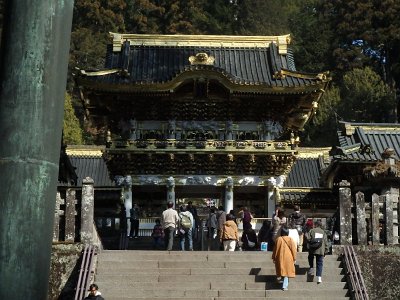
point(64, 270)
point(380, 266)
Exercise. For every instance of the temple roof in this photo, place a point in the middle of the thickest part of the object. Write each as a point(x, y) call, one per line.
point(365, 142)
point(162, 62)
point(89, 162)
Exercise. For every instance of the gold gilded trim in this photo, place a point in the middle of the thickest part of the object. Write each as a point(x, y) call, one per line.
point(350, 128)
point(233, 86)
point(82, 151)
point(99, 73)
point(281, 74)
point(305, 190)
point(226, 41)
point(313, 152)
point(201, 59)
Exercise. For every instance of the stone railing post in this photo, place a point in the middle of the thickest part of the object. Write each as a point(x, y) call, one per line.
point(58, 212)
point(361, 221)
point(346, 237)
point(391, 215)
point(87, 210)
point(70, 213)
point(375, 220)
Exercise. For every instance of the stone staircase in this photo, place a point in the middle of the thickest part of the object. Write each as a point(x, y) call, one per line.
point(196, 275)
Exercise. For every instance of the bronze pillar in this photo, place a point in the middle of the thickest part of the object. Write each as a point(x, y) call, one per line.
point(33, 73)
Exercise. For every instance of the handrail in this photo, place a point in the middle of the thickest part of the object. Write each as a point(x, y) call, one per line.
point(85, 271)
point(123, 241)
point(358, 289)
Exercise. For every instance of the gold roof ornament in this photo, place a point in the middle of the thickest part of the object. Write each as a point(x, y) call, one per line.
point(179, 40)
point(201, 59)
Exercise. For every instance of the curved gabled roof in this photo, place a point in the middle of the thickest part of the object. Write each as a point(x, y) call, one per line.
point(365, 142)
point(145, 60)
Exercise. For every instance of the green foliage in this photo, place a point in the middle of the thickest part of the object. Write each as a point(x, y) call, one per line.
point(321, 131)
point(143, 16)
point(92, 22)
point(262, 17)
point(312, 38)
point(368, 33)
point(219, 17)
point(366, 98)
point(72, 132)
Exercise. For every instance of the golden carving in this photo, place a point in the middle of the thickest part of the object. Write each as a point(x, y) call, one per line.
point(201, 59)
point(226, 41)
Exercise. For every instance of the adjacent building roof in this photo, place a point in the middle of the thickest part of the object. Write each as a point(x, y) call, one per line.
point(164, 61)
point(365, 142)
point(89, 162)
point(307, 169)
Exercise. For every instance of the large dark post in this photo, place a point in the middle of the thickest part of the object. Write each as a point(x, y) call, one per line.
point(33, 72)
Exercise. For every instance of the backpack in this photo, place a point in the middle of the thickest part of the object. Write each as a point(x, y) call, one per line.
point(315, 243)
point(185, 222)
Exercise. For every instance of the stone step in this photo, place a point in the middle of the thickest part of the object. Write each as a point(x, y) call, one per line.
point(196, 256)
point(113, 288)
point(327, 297)
point(214, 275)
point(242, 294)
point(264, 270)
point(204, 278)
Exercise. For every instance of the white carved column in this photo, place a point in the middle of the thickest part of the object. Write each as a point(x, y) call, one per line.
point(228, 194)
point(274, 184)
point(171, 189)
point(127, 192)
point(126, 196)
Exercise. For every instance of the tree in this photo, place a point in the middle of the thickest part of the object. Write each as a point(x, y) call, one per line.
point(313, 38)
point(142, 16)
point(368, 34)
point(366, 98)
point(261, 17)
point(72, 132)
point(92, 22)
point(321, 130)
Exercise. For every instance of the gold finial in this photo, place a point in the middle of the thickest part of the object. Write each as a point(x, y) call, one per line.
point(201, 59)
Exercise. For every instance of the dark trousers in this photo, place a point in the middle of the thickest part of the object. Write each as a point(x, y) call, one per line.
point(320, 262)
point(134, 227)
point(169, 237)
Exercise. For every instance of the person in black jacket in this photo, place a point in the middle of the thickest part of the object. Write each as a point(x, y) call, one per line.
point(94, 293)
point(298, 220)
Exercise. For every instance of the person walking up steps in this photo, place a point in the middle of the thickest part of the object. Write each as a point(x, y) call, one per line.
point(169, 221)
point(284, 257)
point(186, 223)
point(229, 235)
point(317, 247)
point(298, 220)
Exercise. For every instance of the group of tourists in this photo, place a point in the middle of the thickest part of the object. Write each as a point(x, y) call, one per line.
point(183, 224)
point(285, 236)
point(288, 238)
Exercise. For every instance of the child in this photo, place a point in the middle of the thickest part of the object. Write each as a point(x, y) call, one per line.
point(157, 234)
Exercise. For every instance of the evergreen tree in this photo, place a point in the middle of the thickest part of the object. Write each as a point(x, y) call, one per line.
point(71, 128)
point(366, 98)
point(264, 17)
point(368, 34)
point(321, 130)
point(313, 38)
